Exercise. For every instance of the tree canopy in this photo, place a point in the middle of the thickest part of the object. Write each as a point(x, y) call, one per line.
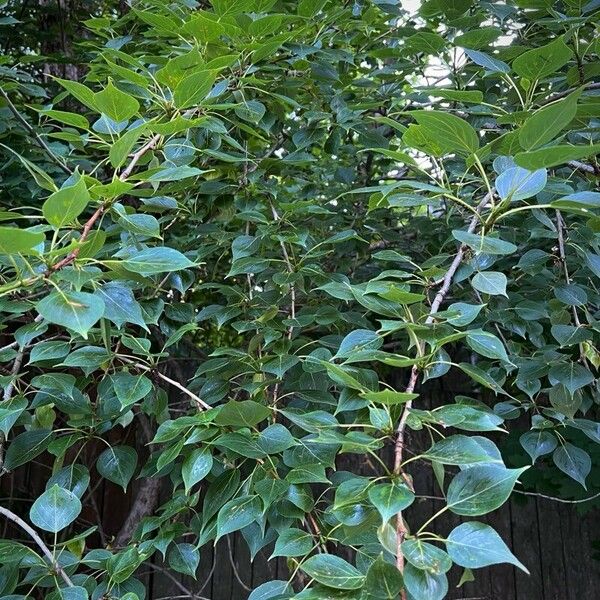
point(322, 207)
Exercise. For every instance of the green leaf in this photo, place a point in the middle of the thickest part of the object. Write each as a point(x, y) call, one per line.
point(55, 509)
point(78, 311)
point(460, 450)
point(539, 442)
point(452, 133)
point(26, 446)
point(174, 174)
point(43, 351)
point(184, 558)
point(481, 489)
point(67, 204)
point(573, 461)
point(120, 306)
point(390, 499)
point(475, 545)
point(538, 63)
point(116, 104)
point(270, 589)
point(423, 585)
point(70, 593)
point(516, 183)
point(333, 571)
point(130, 388)
point(564, 401)
point(383, 580)
point(67, 117)
point(196, 466)
point(486, 344)
point(191, 90)
point(293, 542)
point(484, 244)
point(357, 341)
point(466, 313)
point(552, 156)
point(572, 375)
point(117, 464)
point(478, 37)
point(79, 91)
point(74, 478)
point(19, 241)
point(237, 514)
point(121, 566)
point(242, 413)
point(548, 122)
point(569, 335)
point(426, 557)
point(157, 260)
point(490, 282)
point(486, 61)
point(10, 411)
point(388, 397)
point(120, 149)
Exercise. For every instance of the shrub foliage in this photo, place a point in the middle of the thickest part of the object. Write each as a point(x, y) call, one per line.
point(250, 233)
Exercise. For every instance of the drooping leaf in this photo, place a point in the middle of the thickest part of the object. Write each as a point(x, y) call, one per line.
point(184, 558)
point(333, 571)
point(490, 282)
point(117, 464)
point(78, 311)
point(157, 260)
point(481, 489)
point(390, 498)
point(474, 545)
point(55, 509)
point(383, 580)
point(65, 205)
point(517, 183)
point(196, 466)
point(539, 442)
point(573, 461)
point(237, 514)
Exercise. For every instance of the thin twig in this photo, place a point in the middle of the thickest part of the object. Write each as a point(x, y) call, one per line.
point(199, 402)
point(555, 499)
point(233, 566)
point(290, 269)
point(38, 540)
point(138, 155)
point(559, 95)
point(174, 579)
point(31, 131)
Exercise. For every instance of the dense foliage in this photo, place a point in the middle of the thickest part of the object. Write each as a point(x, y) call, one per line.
point(320, 206)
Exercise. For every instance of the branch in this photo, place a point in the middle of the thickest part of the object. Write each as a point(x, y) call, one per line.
point(31, 131)
point(199, 402)
point(558, 96)
point(38, 540)
point(414, 375)
point(582, 166)
point(67, 260)
point(535, 494)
